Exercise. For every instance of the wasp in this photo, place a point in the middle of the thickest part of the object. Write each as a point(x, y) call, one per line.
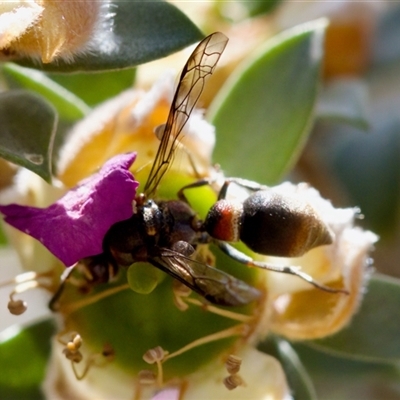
point(165, 233)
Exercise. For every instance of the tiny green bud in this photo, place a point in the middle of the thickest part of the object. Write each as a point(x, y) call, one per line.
point(143, 277)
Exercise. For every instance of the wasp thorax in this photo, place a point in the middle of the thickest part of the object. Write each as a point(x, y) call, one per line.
point(224, 219)
point(282, 226)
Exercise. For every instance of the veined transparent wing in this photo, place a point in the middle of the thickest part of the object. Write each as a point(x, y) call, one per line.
point(198, 68)
point(214, 285)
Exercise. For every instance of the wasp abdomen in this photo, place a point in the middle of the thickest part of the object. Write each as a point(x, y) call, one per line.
point(223, 221)
point(282, 226)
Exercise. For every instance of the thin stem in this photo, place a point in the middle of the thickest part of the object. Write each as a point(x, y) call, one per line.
point(70, 308)
point(232, 331)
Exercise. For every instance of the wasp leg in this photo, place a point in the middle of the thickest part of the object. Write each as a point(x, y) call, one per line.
point(191, 162)
point(249, 185)
point(197, 184)
point(291, 270)
point(53, 303)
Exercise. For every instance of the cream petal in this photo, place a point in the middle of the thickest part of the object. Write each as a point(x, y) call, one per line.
point(263, 376)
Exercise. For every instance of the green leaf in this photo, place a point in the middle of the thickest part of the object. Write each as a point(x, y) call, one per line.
point(27, 127)
point(68, 106)
point(24, 351)
point(344, 379)
point(368, 166)
point(263, 114)
point(297, 376)
point(141, 31)
point(386, 45)
point(107, 84)
point(255, 8)
point(374, 333)
point(345, 100)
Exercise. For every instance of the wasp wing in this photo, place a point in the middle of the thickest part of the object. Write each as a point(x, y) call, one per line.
point(214, 285)
point(198, 68)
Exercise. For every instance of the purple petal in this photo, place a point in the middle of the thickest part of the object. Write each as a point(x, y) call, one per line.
point(167, 394)
point(74, 226)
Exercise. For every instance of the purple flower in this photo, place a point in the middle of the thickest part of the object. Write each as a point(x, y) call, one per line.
point(74, 226)
point(167, 394)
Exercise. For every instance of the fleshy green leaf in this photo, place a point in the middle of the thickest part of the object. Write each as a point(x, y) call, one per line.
point(27, 128)
point(374, 333)
point(68, 106)
point(345, 100)
point(142, 31)
point(264, 113)
point(107, 84)
point(259, 7)
point(369, 168)
point(386, 46)
point(298, 378)
point(344, 379)
point(24, 352)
